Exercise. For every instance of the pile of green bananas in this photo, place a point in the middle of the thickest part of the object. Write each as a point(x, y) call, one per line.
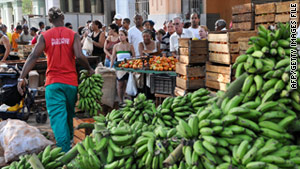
point(140, 109)
point(175, 109)
point(153, 147)
point(50, 159)
point(90, 93)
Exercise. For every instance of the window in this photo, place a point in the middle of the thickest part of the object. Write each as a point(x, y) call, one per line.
point(142, 8)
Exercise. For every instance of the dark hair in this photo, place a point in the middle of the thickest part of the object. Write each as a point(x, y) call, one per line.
point(3, 26)
point(187, 25)
point(146, 22)
point(68, 24)
point(124, 31)
point(195, 13)
point(41, 24)
point(147, 31)
point(161, 31)
point(221, 23)
point(89, 21)
point(48, 27)
point(34, 29)
point(151, 23)
point(98, 23)
point(19, 27)
point(127, 20)
point(114, 27)
point(80, 30)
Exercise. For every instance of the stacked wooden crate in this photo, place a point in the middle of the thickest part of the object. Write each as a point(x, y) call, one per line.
point(24, 51)
point(243, 45)
point(271, 13)
point(191, 66)
point(223, 50)
point(243, 17)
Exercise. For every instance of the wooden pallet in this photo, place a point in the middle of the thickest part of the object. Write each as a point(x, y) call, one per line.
point(217, 76)
point(223, 47)
point(243, 17)
point(79, 135)
point(192, 51)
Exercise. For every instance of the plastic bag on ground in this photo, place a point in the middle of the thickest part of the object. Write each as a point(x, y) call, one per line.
point(131, 88)
point(18, 138)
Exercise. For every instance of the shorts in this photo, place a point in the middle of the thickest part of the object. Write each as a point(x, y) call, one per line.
point(124, 78)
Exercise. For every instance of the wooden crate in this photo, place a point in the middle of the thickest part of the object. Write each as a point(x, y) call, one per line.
point(190, 71)
point(223, 47)
point(243, 45)
point(283, 11)
point(192, 51)
point(265, 14)
point(217, 76)
point(243, 17)
point(189, 84)
point(79, 135)
point(181, 92)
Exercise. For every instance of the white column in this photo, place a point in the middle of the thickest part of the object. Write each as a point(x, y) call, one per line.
point(81, 6)
point(2, 13)
point(18, 12)
point(7, 19)
point(126, 8)
point(93, 6)
point(51, 3)
point(70, 5)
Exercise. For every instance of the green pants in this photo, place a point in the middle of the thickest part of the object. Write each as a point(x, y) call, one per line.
point(60, 101)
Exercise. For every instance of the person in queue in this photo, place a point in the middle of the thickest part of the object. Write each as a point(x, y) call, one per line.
point(135, 34)
point(147, 26)
point(15, 38)
point(69, 25)
point(98, 38)
point(8, 34)
point(118, 20)
point(194, 28)
point(47, 28)
point(149, 46)
point(4, 47)
point(159, 37)
point(165, 44)
point(220, 25)
point(179, 33)
point(33, 33)
point(25, 37)
point(62, 47)
point(112, 39)
point(203, 32)
point(122, 50)
point(126, 24)
point(42, 26)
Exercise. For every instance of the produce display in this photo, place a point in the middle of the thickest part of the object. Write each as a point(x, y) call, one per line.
point(156, 63)
point(252, 125)
point(90, 93)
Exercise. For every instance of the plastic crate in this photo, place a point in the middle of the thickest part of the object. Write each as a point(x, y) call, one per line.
point(162, 84)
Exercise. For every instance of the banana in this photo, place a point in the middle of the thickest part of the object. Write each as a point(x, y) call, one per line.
point(150, 145)
point(210, 139)
point(271, 133)
point(272, 159)
point(188, 155)
point(198, 148)
point(259, 82)
point(249, 156)
point(248, 123)
point(250, 105)
point(269, 95)
point(242, 149)
point(237, 129)
point(186, 127)
point(247, 84)
point(266, 106)
point(111, 165)
point(238, 110)
point(140, 151)
point(234, 102)
point(193, 123)
point(284, 123)
point(272, 126)
point(205, 131)
point(114, 147)
point(256, 165)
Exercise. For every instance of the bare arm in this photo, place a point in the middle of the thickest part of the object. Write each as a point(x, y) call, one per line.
point(79, 55)
point(100, 44)
point(132, 51)
point(141, 49)
point(114, 55)
point(104, 48)
point(34, 55)
point(7, 48)
point(158, 48)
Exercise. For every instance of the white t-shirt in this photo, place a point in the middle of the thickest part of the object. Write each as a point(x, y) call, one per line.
point(135, 36)
point(195, 32)
point(174, 39)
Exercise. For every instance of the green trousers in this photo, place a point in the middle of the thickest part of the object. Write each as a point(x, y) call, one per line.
point(60, 102)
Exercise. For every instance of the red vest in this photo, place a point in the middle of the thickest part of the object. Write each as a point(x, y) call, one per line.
point(60, 56)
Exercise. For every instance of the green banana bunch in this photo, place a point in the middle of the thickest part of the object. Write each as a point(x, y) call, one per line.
point(90, 93)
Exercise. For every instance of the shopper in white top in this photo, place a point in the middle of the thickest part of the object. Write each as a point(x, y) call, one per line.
point(195, 20)
point(135, 34)
point(179, 33)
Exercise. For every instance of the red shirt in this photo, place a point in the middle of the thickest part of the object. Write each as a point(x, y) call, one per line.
point(34, 40)
point(60, 56)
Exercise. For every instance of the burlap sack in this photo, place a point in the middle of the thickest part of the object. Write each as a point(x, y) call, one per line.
point(109, 85)
point(18, 138)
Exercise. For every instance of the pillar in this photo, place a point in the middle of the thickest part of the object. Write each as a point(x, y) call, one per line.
point(93, 6)
point(2, 13)
point(70, 3)
point(100, 6)
point(107, 12)
point(81, 6)
point(49, 4)
point(7, 18)
point(18, 14)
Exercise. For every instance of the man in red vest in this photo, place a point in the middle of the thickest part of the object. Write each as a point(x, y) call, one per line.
point(62, 46)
